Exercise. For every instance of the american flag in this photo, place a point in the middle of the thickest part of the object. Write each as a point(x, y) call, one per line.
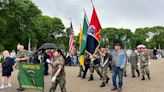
point(71, 40)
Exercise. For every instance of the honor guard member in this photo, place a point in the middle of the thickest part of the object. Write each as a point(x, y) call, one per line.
point(87, 61)
point(95, 65)
point(104, 64)
point(21, 57)
point(144, 64)
point(58, 72)
point(133, 59)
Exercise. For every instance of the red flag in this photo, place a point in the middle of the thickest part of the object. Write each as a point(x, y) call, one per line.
point(93, 38)
point(95, 22)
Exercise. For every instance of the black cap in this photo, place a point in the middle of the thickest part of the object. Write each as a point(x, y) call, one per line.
point(117, 43)
point(103, 46)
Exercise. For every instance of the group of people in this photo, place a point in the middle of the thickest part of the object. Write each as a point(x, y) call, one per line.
point(116, 61)
point(9, 63)
point(103, 59)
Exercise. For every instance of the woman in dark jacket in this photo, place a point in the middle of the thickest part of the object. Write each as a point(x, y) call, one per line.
point(7, 68)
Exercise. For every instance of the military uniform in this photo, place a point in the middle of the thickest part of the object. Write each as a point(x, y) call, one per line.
point(144, 65)
point(86, 64)
point(133, 59)
point(95, 65)
point(104, 63)
point(60, 79)
point(21, 54)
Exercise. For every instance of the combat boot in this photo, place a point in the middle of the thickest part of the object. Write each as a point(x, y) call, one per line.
point(83, 76)
point(148, 76)
point(138, 72)
point(102, 85)
point(125, 75)
point(143, 78)
point(91, 78)
point(133, 76)
point(79, 76)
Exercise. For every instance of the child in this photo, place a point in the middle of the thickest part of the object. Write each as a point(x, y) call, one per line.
point(7, 68)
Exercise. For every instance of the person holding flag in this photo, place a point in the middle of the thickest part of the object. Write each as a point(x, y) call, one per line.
point(83, 37)
point(80, 56)
point(104, 63)
point(93, 37)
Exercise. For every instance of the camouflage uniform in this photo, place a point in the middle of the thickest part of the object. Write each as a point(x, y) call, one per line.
point(21, 54)
point(133, 59)
point(95, 65)
point(86, 64)
point(60, 79)
point(144, 65)
point(104, 68)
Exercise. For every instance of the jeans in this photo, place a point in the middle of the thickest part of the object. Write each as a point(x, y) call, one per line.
point(74, 60)
point(116, 71)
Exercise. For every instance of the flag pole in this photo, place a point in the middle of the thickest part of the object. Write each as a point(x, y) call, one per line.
point(92, 3)
point(85, 15)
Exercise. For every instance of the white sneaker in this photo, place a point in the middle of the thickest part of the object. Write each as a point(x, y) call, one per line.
point(2, 87)
point(9, 85)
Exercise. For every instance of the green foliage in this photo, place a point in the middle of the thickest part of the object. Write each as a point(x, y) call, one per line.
point(1, 47)
point(109, 35)
point(21, 20)
point(151, 37)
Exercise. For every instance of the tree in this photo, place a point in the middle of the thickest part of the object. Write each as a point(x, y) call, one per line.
point(21, 20)
point(109, 35)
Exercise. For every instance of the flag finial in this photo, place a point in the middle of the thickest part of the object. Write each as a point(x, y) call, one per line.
point(92, 3)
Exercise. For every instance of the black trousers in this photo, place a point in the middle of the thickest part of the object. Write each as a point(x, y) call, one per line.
point(85, 70)
point(45, 68)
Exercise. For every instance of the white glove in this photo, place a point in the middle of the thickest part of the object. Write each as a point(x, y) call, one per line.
point(53, 79)
point(48, 60)
point(149, 63)
point(91, 57)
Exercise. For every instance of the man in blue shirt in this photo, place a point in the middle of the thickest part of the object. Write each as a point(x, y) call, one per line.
point(118, 64)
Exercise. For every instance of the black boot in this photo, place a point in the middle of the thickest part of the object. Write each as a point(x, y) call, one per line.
point(79, 76)
point(107, 80)
point(138, 72)
point(143, 78)
point(20, 89)
point(125, 75)
point(133, 76)
point(91, 78)
point(148, 76)
point(102, 84)
point(83, 76)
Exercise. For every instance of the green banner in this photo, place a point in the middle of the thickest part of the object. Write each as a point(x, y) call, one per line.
point(31, 76)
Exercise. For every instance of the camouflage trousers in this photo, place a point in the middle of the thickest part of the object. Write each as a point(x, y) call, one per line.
point(134, 67)
point(144, 70)
point(19, 81)
point(61, 82)
point(104, 71)
point(94, 67)
point(125, 70)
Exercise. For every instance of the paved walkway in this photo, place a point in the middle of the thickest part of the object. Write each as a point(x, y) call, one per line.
point(74, 84)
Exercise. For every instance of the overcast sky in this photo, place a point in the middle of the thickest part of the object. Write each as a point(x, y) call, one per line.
point(112, 13)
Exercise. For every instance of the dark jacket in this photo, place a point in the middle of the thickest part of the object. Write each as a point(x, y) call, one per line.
point(7, 65)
